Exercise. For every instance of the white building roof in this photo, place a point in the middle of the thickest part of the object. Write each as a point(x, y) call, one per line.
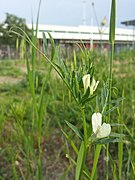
point(83, 33)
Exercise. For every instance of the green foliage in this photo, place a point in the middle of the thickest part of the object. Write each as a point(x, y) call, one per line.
point(80, 162)
point(112, 22)
point(9, 68)
point(96, 157)
point(17, 105)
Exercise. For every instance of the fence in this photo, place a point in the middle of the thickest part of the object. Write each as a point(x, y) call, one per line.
point(7, 52)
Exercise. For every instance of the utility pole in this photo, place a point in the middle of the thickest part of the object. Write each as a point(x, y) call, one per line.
point(84, 12)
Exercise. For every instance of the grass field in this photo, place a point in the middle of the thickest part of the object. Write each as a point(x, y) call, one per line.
point(19, 142)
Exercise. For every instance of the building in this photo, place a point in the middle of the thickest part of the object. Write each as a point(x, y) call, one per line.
point(89, 35)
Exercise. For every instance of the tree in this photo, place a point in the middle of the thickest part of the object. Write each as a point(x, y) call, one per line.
point(10, 21)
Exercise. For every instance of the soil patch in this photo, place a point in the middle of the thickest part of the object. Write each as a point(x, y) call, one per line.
point(9, 80)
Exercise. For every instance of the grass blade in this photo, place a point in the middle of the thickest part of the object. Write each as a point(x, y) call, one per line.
point(53, 46)
point(74, 128)
point(112, 22)
point(96, 157)
point(80, 161)
point(71, 142)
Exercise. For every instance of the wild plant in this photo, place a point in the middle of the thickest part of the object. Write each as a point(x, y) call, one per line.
point(82, 84)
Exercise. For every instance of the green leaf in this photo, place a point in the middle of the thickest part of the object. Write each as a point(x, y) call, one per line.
point(39, 5)
point(96, 157)
point(41, 106)
point(84, 101)
point(85, 170)
point(120, 158)
point(73, 79)
point(75, 129)
point(74, 83)
point(85, 96)
point(63, 177)
point(53, 46)
point(133, 167)
point(44, 43)
point(112, 109)
point(70, 141)
point(80, 161)
point(112, 22)
point(30, 77)
point(116, 101)
point(107, 141)
point(74, 53)
point(66, 71)
point(112, 134)
point(98, 103)
point(59, 69)
point(116, 124)
point(104, 95)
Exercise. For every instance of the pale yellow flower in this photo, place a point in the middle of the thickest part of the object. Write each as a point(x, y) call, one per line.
point(86, 81)
point(99, 130)
point(92, 85)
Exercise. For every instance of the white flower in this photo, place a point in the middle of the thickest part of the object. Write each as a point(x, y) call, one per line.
point(86, 81)
point(99, 130)
point(92, 85)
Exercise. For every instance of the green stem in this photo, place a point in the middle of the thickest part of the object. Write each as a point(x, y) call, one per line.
point(110, 93)
point(84, 127)
point(111, 40)
point(107, 158)
point(83, 149)
point(111, 71)
point(52, 64)
point(96, 157)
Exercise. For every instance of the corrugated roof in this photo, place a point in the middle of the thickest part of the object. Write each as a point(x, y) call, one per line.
point(129, 23)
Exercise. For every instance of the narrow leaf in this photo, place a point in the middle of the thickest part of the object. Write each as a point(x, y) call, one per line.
point(116, 101)
point(107, 141)
point(96, 157)
point(112, 109)
point(53, 46)
point(85, 96)
point(70, 141)
point(80, 162)
point(44, 43)
point(66, 70)
point(117, 135)
point(77, 132)
point(88, 99)
point(60, 70)
point(112, 22)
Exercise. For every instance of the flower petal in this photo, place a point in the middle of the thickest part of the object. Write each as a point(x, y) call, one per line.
point(86, 82)
point(95, 87)
point(96, 122)
point(104, 130)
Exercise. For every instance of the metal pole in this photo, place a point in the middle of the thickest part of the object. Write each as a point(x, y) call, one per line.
point(84, 12)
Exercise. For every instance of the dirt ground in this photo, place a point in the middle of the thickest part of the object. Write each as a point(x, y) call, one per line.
point(8, 79)
point(13, 80)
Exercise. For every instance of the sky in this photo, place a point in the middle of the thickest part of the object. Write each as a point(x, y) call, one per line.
point(67, 12)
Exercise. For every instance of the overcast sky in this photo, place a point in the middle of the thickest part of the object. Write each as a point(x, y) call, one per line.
point(67, 12)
